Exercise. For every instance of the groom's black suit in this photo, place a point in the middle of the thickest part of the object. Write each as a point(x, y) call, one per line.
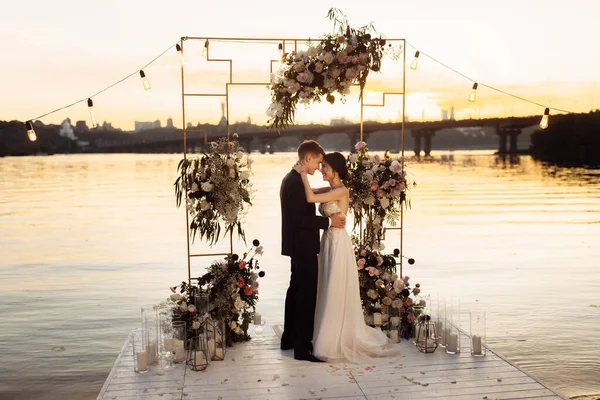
point(300, 241)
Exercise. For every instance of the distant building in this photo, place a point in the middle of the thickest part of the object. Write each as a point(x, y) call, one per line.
point(452, 113)
point(143, 126)
point(340, 121)
point(81, 126)
point(444, 115)
point(156, 124)
point(170, 123)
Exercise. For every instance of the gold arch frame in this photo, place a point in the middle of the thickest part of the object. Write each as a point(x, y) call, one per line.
point(292, 42)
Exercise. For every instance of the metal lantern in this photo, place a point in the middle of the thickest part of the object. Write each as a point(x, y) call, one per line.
point(426, 338)
point(215, 336)
point(197, 356)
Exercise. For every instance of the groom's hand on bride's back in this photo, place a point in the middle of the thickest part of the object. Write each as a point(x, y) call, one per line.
point(338, 220)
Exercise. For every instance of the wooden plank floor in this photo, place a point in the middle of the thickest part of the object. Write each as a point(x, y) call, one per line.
point(262, 371)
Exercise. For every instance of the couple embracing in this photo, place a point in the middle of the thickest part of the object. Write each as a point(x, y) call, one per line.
point(323, 312)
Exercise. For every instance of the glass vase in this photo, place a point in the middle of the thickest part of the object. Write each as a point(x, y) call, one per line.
point(140, 355)
point(477, 331)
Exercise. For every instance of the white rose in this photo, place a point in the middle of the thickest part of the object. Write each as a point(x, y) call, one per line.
point(353, 158)
point(191, 308)
point(328, 58)
point(196, 325)
point(230, 162)
point(207, 186)
point(259, 250)
point(195, 187)
point(204, 205)
point(232, 173)
point(183, 307)
point(385, 203)
point(175, 297)
point(239, 154)
point(244, 175)
point(238, 330)
point(311, 51)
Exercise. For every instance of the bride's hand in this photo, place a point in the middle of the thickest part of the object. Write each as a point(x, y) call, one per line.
point(299, 167)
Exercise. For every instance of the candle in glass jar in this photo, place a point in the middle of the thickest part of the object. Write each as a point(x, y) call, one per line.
point(142, 361)
point(395, 321)
point(179, 350)
point(394, 336)
point(200, 359)
point(377, 318)
point(220, 353)
point(476, 344)
point(211, 348)
point(152, 347)
point(452, 344)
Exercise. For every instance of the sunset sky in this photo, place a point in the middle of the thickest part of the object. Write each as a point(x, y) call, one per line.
point(57, 52)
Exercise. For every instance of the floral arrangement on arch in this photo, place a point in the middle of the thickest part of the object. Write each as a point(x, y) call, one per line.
point(217, 189)
point(333, 64)
point(383, 291)
point(377, 187)
point(228, 292)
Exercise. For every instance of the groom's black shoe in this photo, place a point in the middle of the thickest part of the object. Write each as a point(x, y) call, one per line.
point(307, 357)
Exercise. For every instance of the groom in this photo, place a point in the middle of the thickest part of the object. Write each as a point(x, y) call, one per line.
point(300, 241)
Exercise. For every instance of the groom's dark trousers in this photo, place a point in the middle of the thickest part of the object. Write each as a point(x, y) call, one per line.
point(300, 241)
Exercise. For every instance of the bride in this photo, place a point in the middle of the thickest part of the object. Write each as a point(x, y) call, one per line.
point(340, 331)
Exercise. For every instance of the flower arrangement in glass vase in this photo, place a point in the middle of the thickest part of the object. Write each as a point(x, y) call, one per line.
point(377, 187)
point(382, 291)
point(217, 189)
point(230, 289)
point(332, 65)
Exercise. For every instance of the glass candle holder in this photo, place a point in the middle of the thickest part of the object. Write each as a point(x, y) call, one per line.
point(477, 331)
point(452, 328)
point(140, 355)
point(150, 325)
point(197, 356)
point(179, 337)
point(216, 339)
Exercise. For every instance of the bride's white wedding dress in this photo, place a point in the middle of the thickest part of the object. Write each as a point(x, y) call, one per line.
point(340, 331)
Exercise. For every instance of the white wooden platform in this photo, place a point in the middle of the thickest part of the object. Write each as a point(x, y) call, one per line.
point(263, 371)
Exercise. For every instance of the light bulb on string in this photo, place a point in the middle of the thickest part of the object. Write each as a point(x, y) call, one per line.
point(415, 62)
point(205, 50)
point(30, 132)
point(180, 51)
point(473, 94)
point(91, 108)
point(145, 80)
point(545, 118)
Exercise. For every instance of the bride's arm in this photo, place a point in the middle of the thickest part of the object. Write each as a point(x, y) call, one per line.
point(321, 190)
point(312, 197)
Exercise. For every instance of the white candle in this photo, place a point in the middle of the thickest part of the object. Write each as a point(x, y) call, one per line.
point(394, 336)
point(476, 344)
point(257, 319)
point(430, 346)
point(168, 343)
point(142, 361)
point(377, 318)
point(152, 346)
point(395, 321)
point(211, 348)
point(200, 359)
point(179, 351)
point(452, 344)
point(220, 353)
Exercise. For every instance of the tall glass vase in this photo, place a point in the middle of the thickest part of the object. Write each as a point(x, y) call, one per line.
point(452, 328)
point(477, 332)
point(150, 326)
point(140, 355)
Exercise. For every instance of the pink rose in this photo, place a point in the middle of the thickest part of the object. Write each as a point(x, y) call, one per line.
point(242, 264)
point(374, 186)
point(378, 282)
point(379, 260)
point(416, 291)
point(411, 318)
point(254, 285)
point(380, 193)
point(360, 145)
point(402, 309)
point(241, 282)
point(361, 263)
point(248, 291)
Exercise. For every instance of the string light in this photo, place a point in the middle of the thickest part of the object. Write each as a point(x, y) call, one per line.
point(145, 80)
point(545, 118)
point(473, 94)
point(205, 50)
point(280, 51)
point(415, 62)
point(30, 132)
point(91, 108)
point(180, 51)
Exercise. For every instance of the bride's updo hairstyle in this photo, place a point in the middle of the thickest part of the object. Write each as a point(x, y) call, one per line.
point(337, 162)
